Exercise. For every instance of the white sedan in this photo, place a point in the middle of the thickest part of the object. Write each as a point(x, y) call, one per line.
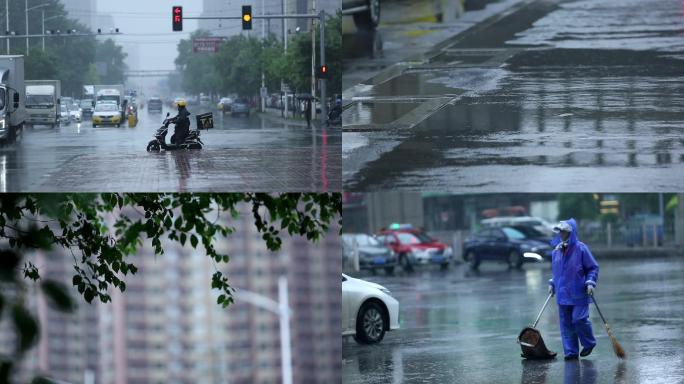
point(368, 310)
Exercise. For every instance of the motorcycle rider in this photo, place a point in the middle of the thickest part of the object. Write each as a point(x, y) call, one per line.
point(182, 123)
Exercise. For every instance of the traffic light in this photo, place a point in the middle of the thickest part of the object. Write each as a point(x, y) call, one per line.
point(322, 72)
point(177, 18)
point(246, 17)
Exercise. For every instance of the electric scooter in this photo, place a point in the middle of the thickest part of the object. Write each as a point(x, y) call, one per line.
point(192, 141)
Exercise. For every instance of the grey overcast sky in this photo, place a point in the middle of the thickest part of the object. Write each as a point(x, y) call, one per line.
point(146, 28)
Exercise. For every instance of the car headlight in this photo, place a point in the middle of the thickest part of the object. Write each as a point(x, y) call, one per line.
point(116, 118)
point(2, 124)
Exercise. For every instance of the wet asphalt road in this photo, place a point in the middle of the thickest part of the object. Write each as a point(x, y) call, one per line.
point(258, 153)
point(461, 327)
point(549, 95)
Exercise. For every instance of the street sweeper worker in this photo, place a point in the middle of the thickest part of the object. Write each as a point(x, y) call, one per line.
point(574, 276)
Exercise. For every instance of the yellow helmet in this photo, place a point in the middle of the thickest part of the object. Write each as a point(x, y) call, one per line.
point(181, 103)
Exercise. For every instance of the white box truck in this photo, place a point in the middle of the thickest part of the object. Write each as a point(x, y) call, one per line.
point(12, 110)
point(42, 102)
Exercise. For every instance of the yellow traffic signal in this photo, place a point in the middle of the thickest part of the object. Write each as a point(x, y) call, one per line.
point(246, 17)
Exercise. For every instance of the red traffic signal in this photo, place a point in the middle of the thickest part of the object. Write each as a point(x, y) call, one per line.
point(322, 72)
point(177, 18)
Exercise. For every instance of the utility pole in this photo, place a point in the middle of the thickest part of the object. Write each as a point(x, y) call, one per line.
point(313, 58)
point(285, 32)
point(282, 309)
point(324, 107)
point(42, 18)
point(7, 21)
point(27, 31)
point(263, 77)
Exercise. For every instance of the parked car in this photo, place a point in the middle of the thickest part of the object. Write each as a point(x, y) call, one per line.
point(75, 112)
point(414, 247)
point(154, 104)
point(240, 107)
point(86, 109)
point(64, 115)
point(503, 244)
point(372, 254)
point(366, 13)
point(368, 310)
point(224, 104)
point(106, 114)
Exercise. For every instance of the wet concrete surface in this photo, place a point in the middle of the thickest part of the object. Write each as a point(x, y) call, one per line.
point(408, 28)
point(256, 153)
point(554, 95)
point(460, 326)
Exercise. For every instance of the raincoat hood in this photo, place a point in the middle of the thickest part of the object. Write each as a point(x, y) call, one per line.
point(572, 239)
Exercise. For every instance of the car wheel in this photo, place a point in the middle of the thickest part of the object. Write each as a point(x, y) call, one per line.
point(370, 18)
point(515, 259)
point(118, 125)
point(370, 324)
point(473, 260)
point(389, 270)
point(405, 262)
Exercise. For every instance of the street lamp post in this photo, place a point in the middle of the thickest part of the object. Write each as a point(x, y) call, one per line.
point(27, 27)
point(44, 20)
point(281, 309)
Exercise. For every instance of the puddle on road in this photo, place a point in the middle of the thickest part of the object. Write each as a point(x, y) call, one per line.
point(363, 113)
point(454, 58)
point(415, 83)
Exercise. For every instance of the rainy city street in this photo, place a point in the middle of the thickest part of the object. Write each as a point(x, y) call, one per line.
point(255, 153)
point(540, 95)
point(461, 326)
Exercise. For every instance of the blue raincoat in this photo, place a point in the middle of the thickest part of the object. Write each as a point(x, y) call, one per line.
point(572, 270)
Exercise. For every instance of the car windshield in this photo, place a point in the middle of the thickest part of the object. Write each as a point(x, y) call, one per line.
point(513, 233)
point(86, 103)
point(365, 241)
point(75, 107)
point(63, 108)
point(413, 238)
point(39, 100)
point(105, 107)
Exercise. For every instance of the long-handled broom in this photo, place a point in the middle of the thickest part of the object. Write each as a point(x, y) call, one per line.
point(619, 352)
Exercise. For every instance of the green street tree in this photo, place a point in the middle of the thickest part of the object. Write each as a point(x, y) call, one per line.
point(100, 232)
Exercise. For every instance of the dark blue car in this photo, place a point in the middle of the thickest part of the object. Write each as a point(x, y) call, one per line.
point(504, 244)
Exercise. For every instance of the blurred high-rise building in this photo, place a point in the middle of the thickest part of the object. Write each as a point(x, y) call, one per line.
point(167, 327)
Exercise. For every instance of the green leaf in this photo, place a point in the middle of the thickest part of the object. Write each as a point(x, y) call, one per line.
point(58, 295)
point(193, 241)
point(27, 327)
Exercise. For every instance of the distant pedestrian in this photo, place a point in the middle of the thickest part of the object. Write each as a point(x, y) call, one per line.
point(307, 112)
point(575, 273)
